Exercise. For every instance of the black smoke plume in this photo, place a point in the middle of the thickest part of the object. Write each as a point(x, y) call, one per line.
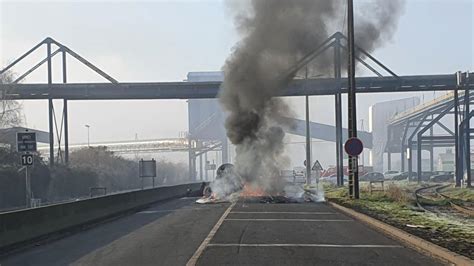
point(275, 35)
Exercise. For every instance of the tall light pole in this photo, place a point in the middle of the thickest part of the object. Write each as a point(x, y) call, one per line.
point(88, 136)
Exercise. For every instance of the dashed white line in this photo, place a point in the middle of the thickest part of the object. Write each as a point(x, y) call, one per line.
point(171, 210)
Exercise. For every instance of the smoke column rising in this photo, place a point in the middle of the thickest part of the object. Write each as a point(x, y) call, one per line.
point(275, 34)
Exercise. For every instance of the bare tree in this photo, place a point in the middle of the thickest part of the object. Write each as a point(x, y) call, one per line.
point(10, 110)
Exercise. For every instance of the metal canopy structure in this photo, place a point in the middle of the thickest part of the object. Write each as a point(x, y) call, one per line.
point(11, 91)
point(407, 131)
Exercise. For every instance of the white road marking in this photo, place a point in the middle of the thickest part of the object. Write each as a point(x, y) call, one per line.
point(171, 210)
point(286, 212)
point(304, 245)
point(193, 260)
point(160, 211)
point(291, 220)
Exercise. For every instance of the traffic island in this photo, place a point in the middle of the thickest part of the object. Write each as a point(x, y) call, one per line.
point(395, 208)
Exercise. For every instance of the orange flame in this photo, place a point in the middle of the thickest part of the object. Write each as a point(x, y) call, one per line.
point(252, 191)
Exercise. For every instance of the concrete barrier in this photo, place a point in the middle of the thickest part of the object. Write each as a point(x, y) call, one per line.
point(17, 227)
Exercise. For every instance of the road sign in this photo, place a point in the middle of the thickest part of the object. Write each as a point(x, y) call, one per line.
point(27, 159)
point(354, 146)
point(147, 168)
point(317, 166)
point(26, 141)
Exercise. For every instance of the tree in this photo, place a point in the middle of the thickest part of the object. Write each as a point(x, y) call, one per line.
point(10, 111)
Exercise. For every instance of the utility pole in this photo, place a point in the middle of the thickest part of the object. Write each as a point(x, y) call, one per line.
point(338, 112)
point(351, 99)
point(308, 140)
point(88, 136)
point(308, 145)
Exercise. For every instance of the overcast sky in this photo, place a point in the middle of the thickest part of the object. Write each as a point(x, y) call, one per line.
point(163, 40)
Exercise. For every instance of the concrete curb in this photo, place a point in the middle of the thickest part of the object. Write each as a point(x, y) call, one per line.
point(410, 240)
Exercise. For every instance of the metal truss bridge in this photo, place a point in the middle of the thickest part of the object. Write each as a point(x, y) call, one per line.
point(134, 146)
point(336, 85)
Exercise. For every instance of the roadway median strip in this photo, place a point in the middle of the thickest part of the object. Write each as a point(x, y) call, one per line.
point(410, 240)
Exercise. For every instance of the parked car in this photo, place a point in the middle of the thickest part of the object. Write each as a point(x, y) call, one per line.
point(404, 176)
point(390, 174)
point(333, 179)
point(373, 176)
point(426, 175)
point(442, 178)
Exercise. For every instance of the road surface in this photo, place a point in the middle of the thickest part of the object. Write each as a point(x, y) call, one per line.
point(245, 233)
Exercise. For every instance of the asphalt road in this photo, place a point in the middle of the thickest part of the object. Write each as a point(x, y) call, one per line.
point(170, 233)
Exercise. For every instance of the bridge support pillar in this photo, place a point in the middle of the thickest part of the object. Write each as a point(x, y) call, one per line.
point(457, 150)
point(225, 150)
point(410, 160)
point(402, 159)
point(206, 172)
point(389, 161)
point(431, 150)
point(50, 107)
point(65, 113)
point(467, 128)
point(192, 160)
point(201, 174)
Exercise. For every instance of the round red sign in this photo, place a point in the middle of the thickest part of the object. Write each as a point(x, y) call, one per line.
point(353, 146)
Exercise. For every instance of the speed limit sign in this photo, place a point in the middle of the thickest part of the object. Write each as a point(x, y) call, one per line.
point(27, 159)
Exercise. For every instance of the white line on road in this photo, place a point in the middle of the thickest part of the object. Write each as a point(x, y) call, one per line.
point(286, 212)
point(172, 210)
point(193, 260)
point(291, 220)
point(304, 245)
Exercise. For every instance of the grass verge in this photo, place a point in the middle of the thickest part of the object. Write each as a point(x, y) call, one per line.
point(396, 206)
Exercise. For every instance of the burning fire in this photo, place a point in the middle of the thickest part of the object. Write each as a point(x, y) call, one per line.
point(252, 191)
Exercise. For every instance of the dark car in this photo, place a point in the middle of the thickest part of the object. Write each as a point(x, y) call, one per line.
point(404, 176)
point(442, 178)
point(372, 176)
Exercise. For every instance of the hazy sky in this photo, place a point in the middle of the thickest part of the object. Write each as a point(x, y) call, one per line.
point(163, 40)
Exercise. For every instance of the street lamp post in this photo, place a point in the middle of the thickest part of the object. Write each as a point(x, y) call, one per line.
point(88, 136)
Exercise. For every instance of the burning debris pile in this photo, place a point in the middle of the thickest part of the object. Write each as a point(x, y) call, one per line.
point(229, 186)
point(276, 34)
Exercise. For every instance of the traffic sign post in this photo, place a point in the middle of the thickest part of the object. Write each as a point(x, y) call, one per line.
point(26, 142)
point(147, 169)
point(27, 159)
point(317, 168)
point(353, 148)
